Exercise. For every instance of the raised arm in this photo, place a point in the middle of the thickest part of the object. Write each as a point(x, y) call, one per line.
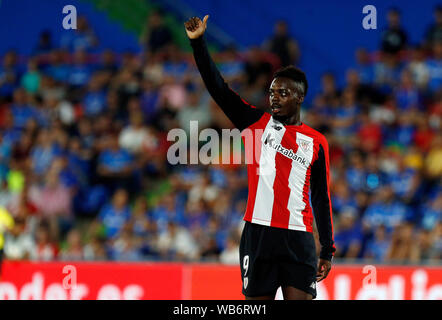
point(241, 113)
point(321, 203)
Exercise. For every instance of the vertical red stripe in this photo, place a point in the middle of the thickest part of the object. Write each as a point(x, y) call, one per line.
point(252, 146)
point(281, 190)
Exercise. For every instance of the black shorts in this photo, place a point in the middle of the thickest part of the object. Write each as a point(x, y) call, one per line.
point(272, 257)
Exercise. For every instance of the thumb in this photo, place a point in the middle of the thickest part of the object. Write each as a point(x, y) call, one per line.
point(206, 17)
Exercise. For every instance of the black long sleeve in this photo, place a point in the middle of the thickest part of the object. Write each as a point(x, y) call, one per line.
point(321, 203)
point(241, 113)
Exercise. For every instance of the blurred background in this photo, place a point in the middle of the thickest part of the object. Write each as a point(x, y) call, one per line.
point(84, 117)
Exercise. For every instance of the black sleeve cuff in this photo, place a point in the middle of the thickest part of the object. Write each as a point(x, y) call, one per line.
point(326, 254)
point(197, 41)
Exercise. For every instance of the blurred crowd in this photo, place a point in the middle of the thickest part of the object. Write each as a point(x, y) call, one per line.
point(83, 145)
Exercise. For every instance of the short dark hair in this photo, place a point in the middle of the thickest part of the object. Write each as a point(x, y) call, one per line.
point(293, 73)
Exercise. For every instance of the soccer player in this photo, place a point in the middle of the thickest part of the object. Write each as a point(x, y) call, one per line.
point(277, 246)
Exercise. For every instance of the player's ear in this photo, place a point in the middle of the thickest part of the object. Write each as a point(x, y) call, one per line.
point(300, 98)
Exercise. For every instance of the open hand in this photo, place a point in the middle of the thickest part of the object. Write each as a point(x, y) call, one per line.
point(195, 28)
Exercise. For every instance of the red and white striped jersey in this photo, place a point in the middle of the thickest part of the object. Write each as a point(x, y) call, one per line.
point(280, 163)
point(283, 162)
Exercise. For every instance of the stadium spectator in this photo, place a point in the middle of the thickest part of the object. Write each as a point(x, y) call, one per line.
point(394, 37)
point(115, 214)
point(403, 247)
point(6, 225)
point(156, 34)
point(418, 68)
point(433, 160)
point(385, 210)
point(176, 243)
point(195, 110)
point(283, 45)
point(364, 66)
point(377, 248)
point(434, 66)
point(73, 250)
point(44, 43)
point(79, 71)
point(126, 247)
point(81, 38)
point(348, 236)
point(45, 249)
point(19, 244)
point(95, 250)
point(434, 30)
point(52, 198)
point(230, 254)
point(9, 75)
point(31, 79)
point(135, 134)
point(94, 101)
point(407, 94)
point(115, 166)
point(329, 90)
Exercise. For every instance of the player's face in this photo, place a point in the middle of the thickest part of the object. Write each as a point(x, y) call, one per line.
point(285, 97)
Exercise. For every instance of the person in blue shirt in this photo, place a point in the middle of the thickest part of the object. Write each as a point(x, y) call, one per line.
point(175, 65)
point(43, 153)
point(344, 123)
point(377, 247)
point(58, 69)
point(115, 166)
point(435, 67)
point(115, 214)
point(407, 95)
point(364, 66)
point(405, 181)
point(385, 210)
point(149, 100)
point(80, 72)
point(374, 178)
point(431, 213)
point(82, 38)
point(21, 111)
point(9, 74)
point(348, 237)
point(9, 132)
point(355, 172)
point(94, 102)
point(167, 211)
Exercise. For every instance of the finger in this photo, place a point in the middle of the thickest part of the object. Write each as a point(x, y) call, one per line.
point(196, 22)
point(206, 17)
point(323, 274)
point(191, 24)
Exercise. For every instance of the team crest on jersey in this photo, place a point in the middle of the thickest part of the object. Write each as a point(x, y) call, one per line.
point(276, 127)
point(304, 144)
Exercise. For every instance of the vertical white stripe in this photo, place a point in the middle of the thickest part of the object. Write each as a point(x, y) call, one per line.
point(262, 212)
point(297, 180)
